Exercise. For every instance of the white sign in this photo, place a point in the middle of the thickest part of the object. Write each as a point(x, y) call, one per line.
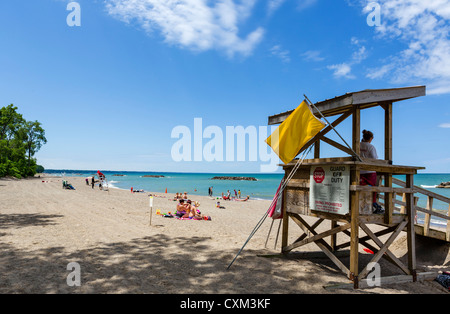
point(330, 189)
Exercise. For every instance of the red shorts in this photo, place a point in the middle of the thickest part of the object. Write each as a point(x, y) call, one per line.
point(369, 179)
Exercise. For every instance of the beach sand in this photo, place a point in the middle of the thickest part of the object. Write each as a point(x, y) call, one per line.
point(43, 228)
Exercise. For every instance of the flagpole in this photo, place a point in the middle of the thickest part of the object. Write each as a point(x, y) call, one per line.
point(282, 187)
point(309, 101)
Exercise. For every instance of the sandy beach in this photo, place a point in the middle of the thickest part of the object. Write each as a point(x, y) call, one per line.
point(43, 228)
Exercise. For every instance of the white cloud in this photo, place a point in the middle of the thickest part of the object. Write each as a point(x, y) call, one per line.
point(424, 28)
point(345, 69)
point(192, 24)
point(273, 5)
point(281, 53)
point(312, 55)
point(304, 4)
point(342, 70)
point(445, 125)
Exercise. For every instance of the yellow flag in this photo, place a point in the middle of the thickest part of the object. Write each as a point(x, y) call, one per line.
point(294, 133)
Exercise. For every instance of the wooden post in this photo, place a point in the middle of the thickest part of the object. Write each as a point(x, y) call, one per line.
point(151, 209)
point(317, 149)
point(411, 234)
point(388, 131)
point(356, 130)
point(403, 208)
point(354, 232)
point(388, 199)
point(333, 240)
point(284, 236)
point(426, 224)
point(448, 225)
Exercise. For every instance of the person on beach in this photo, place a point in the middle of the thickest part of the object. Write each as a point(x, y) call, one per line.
point(194, 213)
point(186, 210)
point(182, 209)
point(369, 177)
point(93, 181)
point(185, 197)
point(239, 193)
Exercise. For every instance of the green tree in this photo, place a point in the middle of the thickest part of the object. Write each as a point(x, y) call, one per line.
point(10, 123)
point(19, 141)
point(34, 138)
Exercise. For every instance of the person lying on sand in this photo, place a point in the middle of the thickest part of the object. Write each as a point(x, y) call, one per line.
point(242, 199)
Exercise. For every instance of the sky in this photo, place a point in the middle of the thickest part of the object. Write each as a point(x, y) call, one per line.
point(118, 84)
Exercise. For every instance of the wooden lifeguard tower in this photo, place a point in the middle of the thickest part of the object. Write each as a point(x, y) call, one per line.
point(329, 189)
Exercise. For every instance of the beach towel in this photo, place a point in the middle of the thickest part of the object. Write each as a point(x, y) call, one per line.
point(275, 210)
point(444, 280)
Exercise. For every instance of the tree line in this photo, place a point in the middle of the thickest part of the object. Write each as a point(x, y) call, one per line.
point(19, 141)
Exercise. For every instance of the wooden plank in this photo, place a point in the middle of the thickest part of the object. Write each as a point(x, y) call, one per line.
point(333, 258)
point(365, 283)
point(378, 242)
point(285, 231)
point(333, 238)
point(426, 225)
point(327, 129)
point(317, 237)
point(388, 95)
point(343, 148)
point(411, 234)
point(448, 226)
point(303, 224)
point(432, 233)
point(422, 191)
point(354, 234)
point(317, 149)
point(367, 165)
point(424, 210)
point(356, 130)
point(388, 200)
point(384, 247)
point(379, 189)
point(388, 131)
point(365, 99)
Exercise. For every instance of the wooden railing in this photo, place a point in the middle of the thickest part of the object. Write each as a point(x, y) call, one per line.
point(424, 229)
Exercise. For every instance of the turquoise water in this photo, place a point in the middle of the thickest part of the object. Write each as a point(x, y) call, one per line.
point(193, 183)
point(264, 188)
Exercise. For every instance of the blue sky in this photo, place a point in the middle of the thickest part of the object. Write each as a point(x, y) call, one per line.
point(110, 92)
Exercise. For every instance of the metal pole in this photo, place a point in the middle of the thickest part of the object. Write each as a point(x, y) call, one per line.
point(356, 155)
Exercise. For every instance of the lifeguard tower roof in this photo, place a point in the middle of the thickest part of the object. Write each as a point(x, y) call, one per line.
point(363, 99)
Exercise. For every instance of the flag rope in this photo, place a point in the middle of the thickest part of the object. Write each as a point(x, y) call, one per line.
point(309, 101)
point(283, 186)
point(289, 177)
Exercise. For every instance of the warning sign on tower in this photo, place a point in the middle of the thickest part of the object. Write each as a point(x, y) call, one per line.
point(330, 189)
